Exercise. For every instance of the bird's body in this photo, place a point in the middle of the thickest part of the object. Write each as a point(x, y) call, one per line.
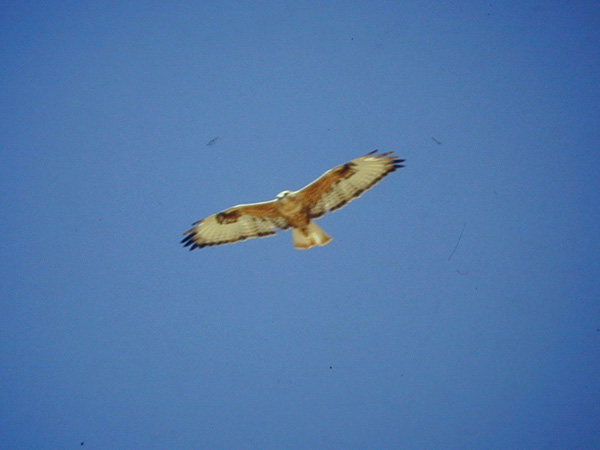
point(294, 209)
point(305, 233)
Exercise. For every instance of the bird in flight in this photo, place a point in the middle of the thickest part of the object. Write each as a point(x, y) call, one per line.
point(294, 209)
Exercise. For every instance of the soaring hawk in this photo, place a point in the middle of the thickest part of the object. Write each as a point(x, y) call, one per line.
point(294, 209)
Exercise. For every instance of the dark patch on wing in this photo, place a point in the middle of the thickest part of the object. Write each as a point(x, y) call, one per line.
point(226, 217)
point(347, 170)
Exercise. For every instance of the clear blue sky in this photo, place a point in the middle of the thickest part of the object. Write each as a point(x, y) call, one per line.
point(392, 336)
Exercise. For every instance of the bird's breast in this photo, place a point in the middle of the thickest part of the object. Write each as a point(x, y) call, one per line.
point(292, 210)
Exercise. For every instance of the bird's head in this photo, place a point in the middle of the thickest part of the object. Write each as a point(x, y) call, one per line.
point(283, 194)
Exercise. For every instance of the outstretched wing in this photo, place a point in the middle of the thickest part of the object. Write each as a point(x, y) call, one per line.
point(338, 186)
point(235, 224)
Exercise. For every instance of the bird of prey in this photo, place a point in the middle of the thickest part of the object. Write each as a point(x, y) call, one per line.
point(294, 209)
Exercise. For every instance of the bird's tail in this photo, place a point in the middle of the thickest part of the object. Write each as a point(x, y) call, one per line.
point(309, 236)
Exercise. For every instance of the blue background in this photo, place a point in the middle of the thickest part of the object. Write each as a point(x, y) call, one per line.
point(402, 332)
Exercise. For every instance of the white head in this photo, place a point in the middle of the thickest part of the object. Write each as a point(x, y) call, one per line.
point(283, 194)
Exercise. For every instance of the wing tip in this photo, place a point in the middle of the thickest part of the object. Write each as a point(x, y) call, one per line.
point(396, 162)
point(188, 241)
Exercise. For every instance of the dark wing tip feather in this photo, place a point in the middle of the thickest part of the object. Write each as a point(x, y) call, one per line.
point(395, 161)
point(188, 239)
point(398, 163)
point(196, 245)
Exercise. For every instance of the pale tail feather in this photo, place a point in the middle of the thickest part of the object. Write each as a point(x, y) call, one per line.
point(309, 236)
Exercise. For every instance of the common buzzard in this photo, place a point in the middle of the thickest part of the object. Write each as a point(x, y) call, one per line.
point(295, 209)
